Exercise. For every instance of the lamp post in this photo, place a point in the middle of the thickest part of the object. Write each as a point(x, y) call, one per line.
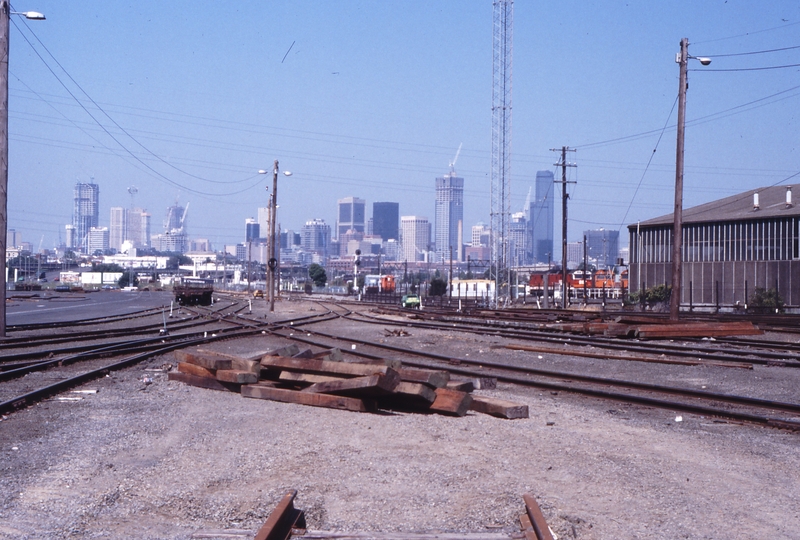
point(5, 13)
point(272, 264)
point(682, 59)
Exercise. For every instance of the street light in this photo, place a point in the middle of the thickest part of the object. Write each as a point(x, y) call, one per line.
point(682, 58)
point(5, 13)
point(272, 264)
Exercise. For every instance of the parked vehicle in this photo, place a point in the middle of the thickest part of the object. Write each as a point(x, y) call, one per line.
point(194, 291)
point(410, 301)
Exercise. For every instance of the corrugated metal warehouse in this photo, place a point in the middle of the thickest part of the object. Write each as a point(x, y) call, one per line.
point(730, 247)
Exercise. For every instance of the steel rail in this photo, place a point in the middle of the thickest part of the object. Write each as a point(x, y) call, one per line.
point(599, 342)
point(696, 394)
point(85, 322)
point(44, 392)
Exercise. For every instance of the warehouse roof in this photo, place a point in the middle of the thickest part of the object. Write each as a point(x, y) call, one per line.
point(771, 203)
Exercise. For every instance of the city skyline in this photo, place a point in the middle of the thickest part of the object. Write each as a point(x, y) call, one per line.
point(361, 112)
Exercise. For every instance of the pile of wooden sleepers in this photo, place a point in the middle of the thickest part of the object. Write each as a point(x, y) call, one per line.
point(325, 379)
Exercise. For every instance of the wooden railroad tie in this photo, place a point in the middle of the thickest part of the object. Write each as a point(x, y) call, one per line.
point(325, 379)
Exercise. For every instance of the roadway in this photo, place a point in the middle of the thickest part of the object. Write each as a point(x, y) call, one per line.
point(46, 306)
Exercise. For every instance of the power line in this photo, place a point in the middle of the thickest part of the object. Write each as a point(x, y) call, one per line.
point(755, 52)
point(750, 69)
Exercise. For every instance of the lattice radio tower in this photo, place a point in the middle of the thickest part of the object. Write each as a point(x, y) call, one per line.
point(501, 141)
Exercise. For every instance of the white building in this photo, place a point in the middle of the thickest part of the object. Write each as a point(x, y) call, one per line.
point(415, 237)
point(97, 240)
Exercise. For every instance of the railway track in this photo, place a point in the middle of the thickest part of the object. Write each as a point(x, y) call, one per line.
point(762, 352)
point(225, 320)
point(96, 358)
point(735, 408)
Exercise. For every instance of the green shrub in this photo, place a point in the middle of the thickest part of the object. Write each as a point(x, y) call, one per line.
point(766, 300)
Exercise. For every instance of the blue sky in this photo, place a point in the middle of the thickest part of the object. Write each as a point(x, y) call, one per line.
point(187, 100)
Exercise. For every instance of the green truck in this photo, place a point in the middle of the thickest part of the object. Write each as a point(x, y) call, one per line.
point(410, 301)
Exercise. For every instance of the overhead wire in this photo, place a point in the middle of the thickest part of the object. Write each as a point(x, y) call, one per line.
point(103, 127)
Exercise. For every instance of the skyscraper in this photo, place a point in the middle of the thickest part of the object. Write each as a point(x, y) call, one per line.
point(316, 236)
point(415, 233)
point(602, 247)
point(97, 240)
point(540, 220)
point(263, 221)
point(449, 214)
point(252, 230)
point(175, 218)
point(352, 216)
point(386, 220)
point(117, 231)
point(129, 225)
point(86, 211)
point(517, 233)
point(138, 227)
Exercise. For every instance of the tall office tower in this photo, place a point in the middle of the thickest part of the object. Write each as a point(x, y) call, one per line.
point(97, 240)
point(263, 221)
point(574, 254)
point(352, 216)
point(517, 235)
point(175, 218)
point(540, 218)
point(386, 220)
point(70, 233)
point(415, 238)
point(117, 231)
point(480, 235)
point(251, 230)
point(449, 214)
point(602, 247)
point(129, 225)
point(85, 212)
point(13, 238)
point(316, 236)
point(138, 231)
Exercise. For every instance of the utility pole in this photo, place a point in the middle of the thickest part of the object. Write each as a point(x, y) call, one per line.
point(585, 269)
point(677, 226)
point(564, 197)
point(450, 277)
point(273, 262)
point(4, 28)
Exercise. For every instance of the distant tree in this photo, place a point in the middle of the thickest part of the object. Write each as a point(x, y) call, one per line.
point(438, 287)
point(125, 280)
point(317, 275)
point(308, 288)
point(176, 259)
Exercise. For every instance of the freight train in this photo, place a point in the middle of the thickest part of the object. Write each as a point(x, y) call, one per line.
point(578, 279)
point(194, 291)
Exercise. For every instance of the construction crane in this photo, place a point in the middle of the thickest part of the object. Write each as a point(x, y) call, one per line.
point(453, 163)
point(183, 217)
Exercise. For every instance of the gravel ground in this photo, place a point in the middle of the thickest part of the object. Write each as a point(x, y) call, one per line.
point(165, 460)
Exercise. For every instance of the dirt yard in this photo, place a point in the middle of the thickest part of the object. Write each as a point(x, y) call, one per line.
point(165, 460)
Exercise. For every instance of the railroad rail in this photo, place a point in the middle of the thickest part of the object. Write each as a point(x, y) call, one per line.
point(724, 406)
point(129, 352)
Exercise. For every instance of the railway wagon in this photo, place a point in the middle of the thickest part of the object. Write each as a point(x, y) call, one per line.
point(194, 291)
point(577, 280)
point(379, 283)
